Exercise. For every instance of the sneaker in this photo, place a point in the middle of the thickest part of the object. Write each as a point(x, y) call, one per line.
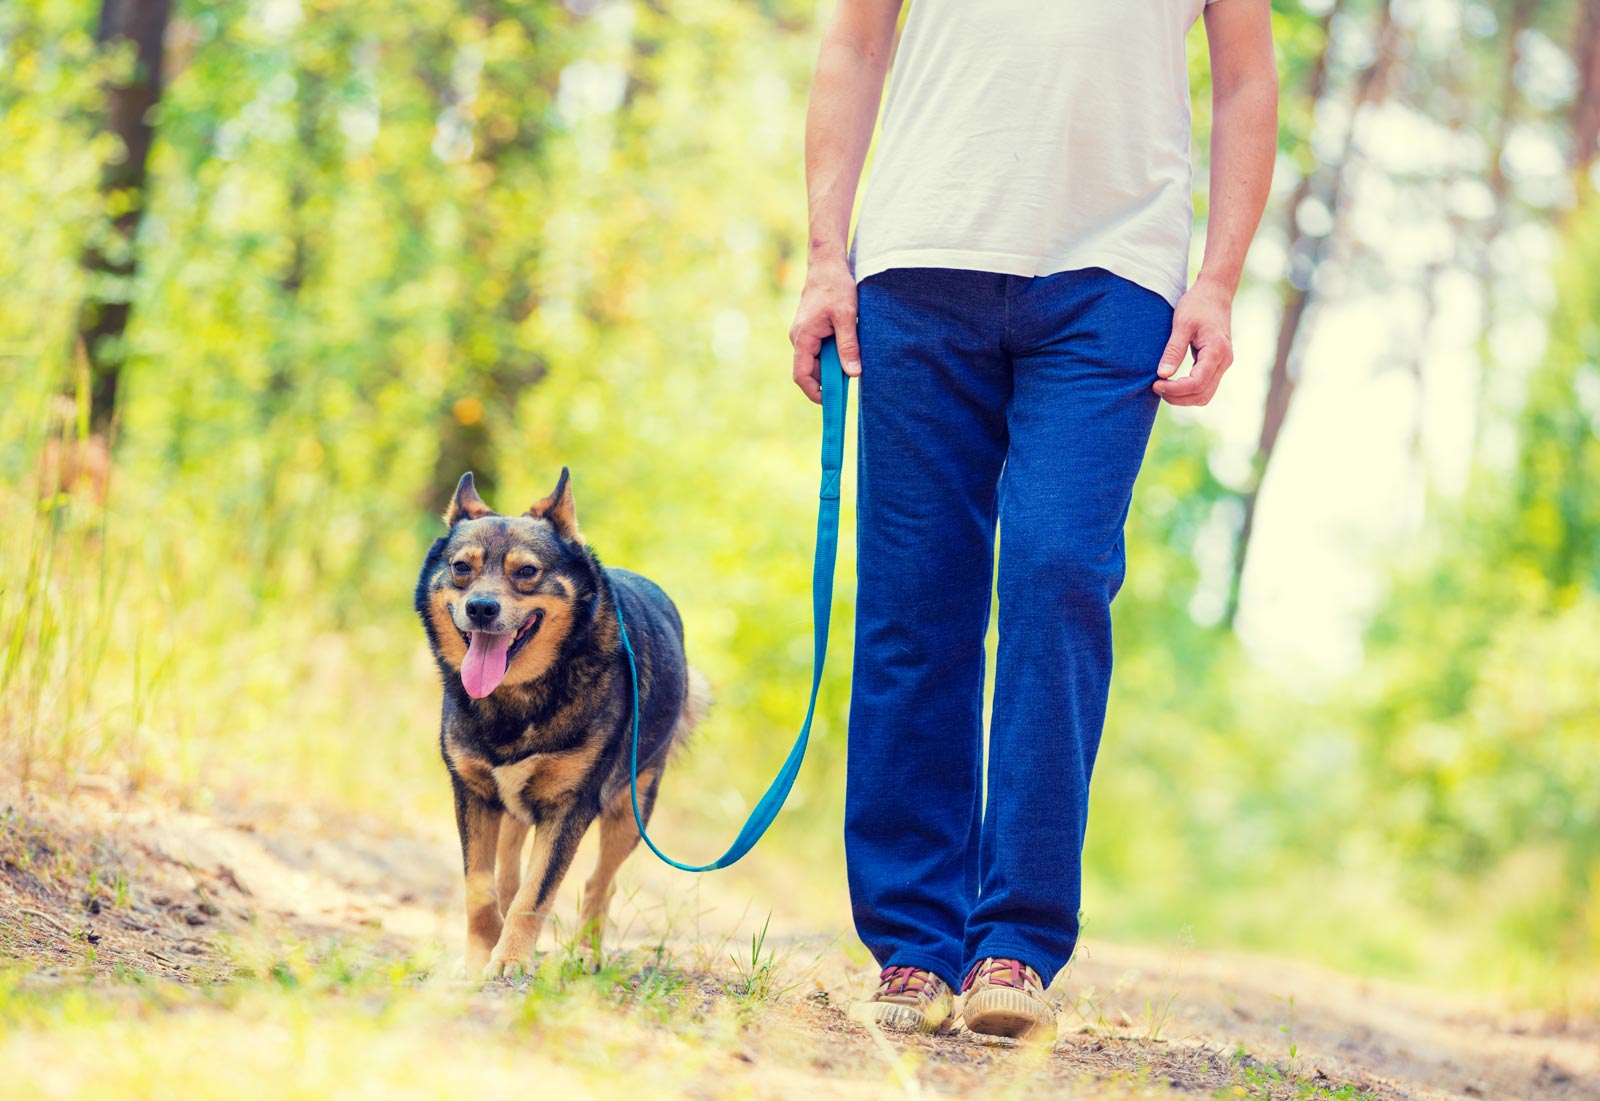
point(908, 999)
point(1006, 998)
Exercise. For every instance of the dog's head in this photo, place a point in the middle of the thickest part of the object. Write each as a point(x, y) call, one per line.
point(500, 594)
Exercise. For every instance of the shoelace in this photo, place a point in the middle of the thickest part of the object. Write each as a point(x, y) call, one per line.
point(999, 972)
point(903, 980)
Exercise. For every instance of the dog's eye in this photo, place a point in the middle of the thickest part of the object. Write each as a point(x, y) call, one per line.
point(461, 568)
point(526, 573)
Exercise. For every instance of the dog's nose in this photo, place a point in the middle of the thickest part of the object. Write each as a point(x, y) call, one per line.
point(482, 610)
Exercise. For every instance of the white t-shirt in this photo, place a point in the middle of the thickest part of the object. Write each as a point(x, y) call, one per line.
point(1027, 137)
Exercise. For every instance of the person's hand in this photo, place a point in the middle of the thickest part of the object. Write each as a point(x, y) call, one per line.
point(1203, 321)
point(827, 308)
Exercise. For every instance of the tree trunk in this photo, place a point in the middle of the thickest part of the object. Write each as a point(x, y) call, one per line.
point(1306, 254)
point(112, 262)
point(1510, 105)
point(1586, 104)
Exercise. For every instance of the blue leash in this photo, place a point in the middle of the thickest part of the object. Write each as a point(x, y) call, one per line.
point(835, 396)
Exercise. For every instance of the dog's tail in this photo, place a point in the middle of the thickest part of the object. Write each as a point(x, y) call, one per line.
point(696, 704)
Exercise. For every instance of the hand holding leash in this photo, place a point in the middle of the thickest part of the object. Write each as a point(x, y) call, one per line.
point(827, 313)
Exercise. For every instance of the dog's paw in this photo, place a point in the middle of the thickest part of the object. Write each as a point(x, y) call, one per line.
point(507, 969)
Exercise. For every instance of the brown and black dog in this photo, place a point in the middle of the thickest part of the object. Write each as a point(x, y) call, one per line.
point(537, 715)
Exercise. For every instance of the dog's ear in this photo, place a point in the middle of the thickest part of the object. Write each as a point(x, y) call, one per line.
point(466, 505)
point(559, 509)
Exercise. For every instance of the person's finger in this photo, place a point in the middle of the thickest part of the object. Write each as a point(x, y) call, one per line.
point(806, 350)
point(1198, 386)
point(807, 347)
point(844, 331)
point(1187, 397)
point(808, 384)
point(1177, 347)
point(1212, 359)
point(1189, 386)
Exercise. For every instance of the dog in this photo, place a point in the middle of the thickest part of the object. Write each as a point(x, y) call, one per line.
point(538, 708)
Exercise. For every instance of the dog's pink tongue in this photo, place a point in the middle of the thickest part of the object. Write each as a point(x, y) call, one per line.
point(485, 666)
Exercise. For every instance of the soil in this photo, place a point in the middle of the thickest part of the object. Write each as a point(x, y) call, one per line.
point(114, 886)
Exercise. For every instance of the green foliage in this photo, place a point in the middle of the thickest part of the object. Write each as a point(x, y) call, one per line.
point(1483, 722)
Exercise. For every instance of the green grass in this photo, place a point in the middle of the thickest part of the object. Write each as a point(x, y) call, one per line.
point(1264, 1081)
point(759, 983)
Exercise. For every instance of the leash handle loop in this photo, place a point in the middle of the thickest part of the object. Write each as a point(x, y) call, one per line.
point(835, 398)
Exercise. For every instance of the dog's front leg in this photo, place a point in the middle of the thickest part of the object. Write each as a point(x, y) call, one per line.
point(508, 860)
point(479, 825)
point(555, 843)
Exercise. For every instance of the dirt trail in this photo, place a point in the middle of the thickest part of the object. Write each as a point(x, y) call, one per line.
point(149, 889)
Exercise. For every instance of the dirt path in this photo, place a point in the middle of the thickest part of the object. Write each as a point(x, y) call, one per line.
point(114, 888)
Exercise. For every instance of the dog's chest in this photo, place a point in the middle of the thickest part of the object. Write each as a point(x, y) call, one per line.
point(518, 782)
point(527, 785)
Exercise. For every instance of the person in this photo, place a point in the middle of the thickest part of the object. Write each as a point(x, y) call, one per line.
point(1015, 305)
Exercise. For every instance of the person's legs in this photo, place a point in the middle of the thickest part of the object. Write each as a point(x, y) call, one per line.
point(934, 388)
point(1084, 349)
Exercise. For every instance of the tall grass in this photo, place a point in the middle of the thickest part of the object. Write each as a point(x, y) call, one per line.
point(134, 655)
point(55, 608)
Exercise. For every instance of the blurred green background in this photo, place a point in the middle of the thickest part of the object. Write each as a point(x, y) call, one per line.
point(258, 315)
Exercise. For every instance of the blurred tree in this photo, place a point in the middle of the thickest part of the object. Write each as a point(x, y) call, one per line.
point(1585, 150)
point(135, 30)
point(1508, 110)
point(1313, 215)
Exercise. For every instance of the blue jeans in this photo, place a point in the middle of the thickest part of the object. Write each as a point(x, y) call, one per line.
point(987, 398)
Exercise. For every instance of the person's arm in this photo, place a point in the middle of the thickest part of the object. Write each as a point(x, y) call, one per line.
point(1244, 140)
point(844, 105)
